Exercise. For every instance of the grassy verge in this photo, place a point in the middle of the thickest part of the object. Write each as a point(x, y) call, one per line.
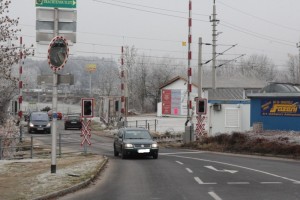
point(242, 143)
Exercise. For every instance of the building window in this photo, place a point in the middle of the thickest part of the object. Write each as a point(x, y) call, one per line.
point(232, 116)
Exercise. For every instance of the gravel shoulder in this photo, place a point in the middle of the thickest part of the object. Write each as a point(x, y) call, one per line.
point(32, 179)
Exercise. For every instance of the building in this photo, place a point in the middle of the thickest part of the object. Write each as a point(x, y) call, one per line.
point(228, 108)
point(276, 107)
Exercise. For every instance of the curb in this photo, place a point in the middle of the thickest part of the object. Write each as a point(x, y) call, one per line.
point(75, 187)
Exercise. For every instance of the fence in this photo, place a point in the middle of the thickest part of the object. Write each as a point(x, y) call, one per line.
point(151, 125)
point(37, 146)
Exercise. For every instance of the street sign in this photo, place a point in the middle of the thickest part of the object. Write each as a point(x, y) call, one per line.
point(47, 36)
point(61, 79)
point(67, 24)
point(56, 3)
point(58, 53)
point(86, 132)
point(91, 67)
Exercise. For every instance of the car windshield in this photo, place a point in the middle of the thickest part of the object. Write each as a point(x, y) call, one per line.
point(137, 134)
point(39, 117)
point(73, 118)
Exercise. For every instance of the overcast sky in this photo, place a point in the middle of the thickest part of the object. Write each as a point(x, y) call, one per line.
point(158, 27)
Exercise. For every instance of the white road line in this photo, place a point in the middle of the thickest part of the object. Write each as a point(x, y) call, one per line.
point(242, 167)
point(270, 182)
point(189, 170)
point(214, 195)
point(179, 162)
point(297, 182)
point(183, 152)
point(198, 180)
point(238, 183)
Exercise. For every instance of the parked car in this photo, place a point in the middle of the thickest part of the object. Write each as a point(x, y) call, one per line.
point(135, 141)
point(59, 115)
point(38, 122)
point(72, 121)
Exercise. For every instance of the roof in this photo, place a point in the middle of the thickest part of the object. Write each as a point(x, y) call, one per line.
point(222, 82)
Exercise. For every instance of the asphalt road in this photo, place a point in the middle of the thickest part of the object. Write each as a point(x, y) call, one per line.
point(190, 175)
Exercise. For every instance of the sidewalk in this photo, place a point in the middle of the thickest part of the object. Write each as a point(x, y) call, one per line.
point(32, 179)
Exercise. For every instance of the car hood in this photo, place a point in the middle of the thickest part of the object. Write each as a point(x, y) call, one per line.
point(38, 122)
point(139, 141)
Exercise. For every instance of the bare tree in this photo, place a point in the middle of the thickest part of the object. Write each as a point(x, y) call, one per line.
point(258, 66)
point(9, 56)
point(293, 65)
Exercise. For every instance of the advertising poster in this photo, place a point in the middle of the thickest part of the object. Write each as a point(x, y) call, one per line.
point(166, 102)
point(280, 107)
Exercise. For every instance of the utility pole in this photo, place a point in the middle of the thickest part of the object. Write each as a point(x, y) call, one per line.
point(200, 69)
point(54, 104)
point(298, 72)
point(214, 40)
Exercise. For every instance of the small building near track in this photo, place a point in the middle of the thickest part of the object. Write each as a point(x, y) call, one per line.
point(228, 108)
point(277, 107)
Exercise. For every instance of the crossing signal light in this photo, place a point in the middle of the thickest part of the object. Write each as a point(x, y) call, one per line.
point(87, 108)
point(201, 106)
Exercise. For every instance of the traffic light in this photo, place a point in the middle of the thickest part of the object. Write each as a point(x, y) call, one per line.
point(87, 108)
point(201, 106)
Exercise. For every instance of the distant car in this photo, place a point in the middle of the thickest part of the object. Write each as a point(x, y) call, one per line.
point(59, 115)
point(38, 122)
point(73, 121)
point(135, 141)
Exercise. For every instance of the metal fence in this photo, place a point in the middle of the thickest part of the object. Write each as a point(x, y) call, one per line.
point(151, 125)
point(37, 146)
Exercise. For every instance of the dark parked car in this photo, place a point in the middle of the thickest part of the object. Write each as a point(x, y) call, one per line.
point(135, 141)
point(72, 121)
point(38, 122)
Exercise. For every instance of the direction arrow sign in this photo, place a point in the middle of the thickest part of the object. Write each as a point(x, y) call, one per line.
point(56, 3)
point(224, 170)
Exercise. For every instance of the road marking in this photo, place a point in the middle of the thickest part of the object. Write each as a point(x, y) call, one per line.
point(189, 170)
point(297, 182)
point(179, 162)
point(214, 195)
point(271, 182)
point(198, 180)
point(224, 170)
point(242, 167)
point(238, 183)
point(183, 152)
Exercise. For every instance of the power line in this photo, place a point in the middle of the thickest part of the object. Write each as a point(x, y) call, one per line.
point(259, 18)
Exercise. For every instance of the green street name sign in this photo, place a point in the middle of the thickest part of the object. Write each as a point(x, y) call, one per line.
point(56, 3)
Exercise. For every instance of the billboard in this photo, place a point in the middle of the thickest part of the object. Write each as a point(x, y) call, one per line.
point(280, 107)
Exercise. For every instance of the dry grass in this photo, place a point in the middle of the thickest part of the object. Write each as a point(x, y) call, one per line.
point(29, 179)
point(243, 143)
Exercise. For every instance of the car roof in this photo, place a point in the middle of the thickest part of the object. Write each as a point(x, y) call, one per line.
point(38, 112)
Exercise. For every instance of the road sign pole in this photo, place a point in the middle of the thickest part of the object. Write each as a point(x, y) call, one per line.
point(54, 103)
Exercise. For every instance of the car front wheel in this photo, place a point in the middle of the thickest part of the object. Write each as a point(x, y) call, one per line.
point(155, 156)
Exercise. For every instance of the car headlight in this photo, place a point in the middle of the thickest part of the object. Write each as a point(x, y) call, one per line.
point(154, 145)
point(48, 125)
point(31, 124)
point(128, 146)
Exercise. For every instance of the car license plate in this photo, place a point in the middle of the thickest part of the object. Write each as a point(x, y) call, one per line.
point(144, 151)
point(40, 129)
point(73, 122)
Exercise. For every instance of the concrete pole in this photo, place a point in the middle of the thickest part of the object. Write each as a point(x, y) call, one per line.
point(200, 69)
point(214, 39)
point(298, 71)
point(54, 104)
